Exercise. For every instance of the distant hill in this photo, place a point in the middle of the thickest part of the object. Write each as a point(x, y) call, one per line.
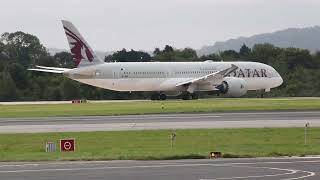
point(305, 38)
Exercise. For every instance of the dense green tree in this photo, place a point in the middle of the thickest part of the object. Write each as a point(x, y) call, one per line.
point(229, 55)
point(213, 57)
point(169, 54)
point(7, 87)
point(70, 89)
point(297, 57)
point(156, 51)
point(265, 53)
point(187, 54)
point(18, 74)
point(316, 60)
point(22, 47)
point(244, 50)
point(64, 59)
point(128, 56)
point(168, 49)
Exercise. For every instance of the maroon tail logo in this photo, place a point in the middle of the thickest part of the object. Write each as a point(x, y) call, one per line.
point(79, 48)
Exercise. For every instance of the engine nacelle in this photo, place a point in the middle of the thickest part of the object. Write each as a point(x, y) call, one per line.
point(233, 87)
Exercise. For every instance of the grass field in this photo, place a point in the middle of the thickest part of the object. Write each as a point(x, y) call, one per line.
point(155, 144)
point(172, 106)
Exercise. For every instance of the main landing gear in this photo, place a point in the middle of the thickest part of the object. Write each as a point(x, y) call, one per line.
point(188, 96)
point(158, 96)
point(184, 96)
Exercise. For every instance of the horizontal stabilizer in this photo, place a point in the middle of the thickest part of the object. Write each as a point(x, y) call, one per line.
point(53, 68)
point(49, 69)
point(46, 70)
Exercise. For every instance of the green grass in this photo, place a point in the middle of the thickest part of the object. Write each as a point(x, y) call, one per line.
point(155, 144)
point(173, 106)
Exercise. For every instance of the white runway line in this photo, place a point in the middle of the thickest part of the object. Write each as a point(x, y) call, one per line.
point(290, 172)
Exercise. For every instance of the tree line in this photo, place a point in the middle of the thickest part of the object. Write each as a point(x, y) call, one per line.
point(19, 51)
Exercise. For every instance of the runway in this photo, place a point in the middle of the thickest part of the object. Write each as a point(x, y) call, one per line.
point(161, 121)
point(218, 169)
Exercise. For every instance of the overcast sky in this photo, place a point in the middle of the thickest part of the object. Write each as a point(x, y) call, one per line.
point(110, 25)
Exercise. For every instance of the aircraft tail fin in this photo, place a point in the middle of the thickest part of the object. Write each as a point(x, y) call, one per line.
point(81, 52)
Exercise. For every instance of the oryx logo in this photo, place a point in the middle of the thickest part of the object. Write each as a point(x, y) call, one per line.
point(79, 49)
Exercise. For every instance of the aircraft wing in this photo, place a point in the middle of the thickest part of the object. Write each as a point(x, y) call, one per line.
point(49, 69)
point(213, 77)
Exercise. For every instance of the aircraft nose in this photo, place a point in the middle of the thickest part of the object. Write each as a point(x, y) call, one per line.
point(279, 79)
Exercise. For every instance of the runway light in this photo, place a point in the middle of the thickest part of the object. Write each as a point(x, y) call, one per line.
point(215, 154)
point(305, 133)
point(173, 137)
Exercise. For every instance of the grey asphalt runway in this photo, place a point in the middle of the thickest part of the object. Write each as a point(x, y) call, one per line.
point(219, 169)
point(161, 121)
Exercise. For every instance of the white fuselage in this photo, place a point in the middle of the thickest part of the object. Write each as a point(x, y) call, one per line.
point(164, 76)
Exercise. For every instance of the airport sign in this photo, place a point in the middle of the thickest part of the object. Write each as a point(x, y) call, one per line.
point(67, 145)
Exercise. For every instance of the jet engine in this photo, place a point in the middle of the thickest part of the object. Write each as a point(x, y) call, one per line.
point(233, 87)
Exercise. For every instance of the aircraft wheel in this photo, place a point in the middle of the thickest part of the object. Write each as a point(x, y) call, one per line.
point(194, 96)
point(186, 96)
point(162, 97)
point(261, 94)
point(155, 97)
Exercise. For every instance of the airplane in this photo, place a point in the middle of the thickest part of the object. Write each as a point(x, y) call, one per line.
point(233, 79)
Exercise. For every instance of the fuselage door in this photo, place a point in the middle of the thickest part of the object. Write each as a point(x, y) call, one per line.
point(115, 74)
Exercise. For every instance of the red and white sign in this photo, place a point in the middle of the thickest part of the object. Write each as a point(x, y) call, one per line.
point(67, 145)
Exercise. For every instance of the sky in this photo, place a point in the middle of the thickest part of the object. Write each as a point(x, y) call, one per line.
point(110, 25)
